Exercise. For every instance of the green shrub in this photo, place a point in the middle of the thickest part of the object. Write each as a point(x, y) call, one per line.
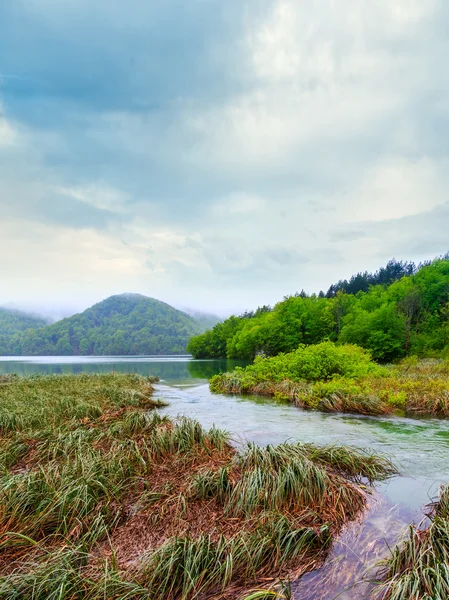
point(321, 362)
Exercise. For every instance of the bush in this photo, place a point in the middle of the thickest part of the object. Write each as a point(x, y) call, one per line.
point(321, 362)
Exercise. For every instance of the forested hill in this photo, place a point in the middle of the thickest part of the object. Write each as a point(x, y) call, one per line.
point(408, 314)
point(125, 324)
point(13, 323)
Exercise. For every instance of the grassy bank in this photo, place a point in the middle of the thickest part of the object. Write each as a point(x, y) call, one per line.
point(101, 497)
point(328, 377)
point(419, 568)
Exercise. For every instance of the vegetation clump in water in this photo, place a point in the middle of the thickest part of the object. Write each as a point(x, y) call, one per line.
point(344, 378)
point(101, 498)
point(419, 568)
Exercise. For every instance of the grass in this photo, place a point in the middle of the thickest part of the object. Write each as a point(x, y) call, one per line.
point(413, 388)
point(102, 497)
point(419, 568)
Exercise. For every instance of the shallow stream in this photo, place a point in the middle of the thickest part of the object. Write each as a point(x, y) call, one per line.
point(419, 448)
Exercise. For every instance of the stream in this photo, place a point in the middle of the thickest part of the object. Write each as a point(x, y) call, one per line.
point(419, 448)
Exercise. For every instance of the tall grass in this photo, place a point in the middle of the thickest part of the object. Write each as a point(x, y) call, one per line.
point(66, 574)
point(419, 568)
point(83, 458)
point(185, 567)
point(271, 484)
point(26, 403)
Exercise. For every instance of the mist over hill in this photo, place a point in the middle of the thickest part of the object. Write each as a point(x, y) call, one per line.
point(205, 320)
point(125, 324)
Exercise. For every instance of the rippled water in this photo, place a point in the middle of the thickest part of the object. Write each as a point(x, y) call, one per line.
point(418, 447)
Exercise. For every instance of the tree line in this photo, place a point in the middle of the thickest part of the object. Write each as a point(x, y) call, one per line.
point(400, 309)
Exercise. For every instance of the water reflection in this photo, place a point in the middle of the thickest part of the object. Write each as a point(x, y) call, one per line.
point(171, 369)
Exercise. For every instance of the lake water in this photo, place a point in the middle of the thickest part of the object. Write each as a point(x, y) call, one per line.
point(420, 448)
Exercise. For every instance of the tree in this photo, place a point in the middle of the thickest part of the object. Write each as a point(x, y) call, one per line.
point(411, 307)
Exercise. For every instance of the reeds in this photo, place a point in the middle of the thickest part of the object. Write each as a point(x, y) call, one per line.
point(185, 567)
point(415, 388)
point(66, 574)
point(418, 569)
point(84, 461)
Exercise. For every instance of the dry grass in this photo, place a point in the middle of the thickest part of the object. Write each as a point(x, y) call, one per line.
point(419, 568)
point(413, 388)
point(100, 498)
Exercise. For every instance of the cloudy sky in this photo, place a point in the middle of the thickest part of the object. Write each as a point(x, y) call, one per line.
point(217, 154)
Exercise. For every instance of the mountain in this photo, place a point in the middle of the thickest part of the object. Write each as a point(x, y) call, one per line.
point(126, 324)
point(13, 323)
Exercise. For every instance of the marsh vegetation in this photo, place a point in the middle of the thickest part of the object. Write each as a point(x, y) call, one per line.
point(344, 378)
point(419, 568)
point(103, 497)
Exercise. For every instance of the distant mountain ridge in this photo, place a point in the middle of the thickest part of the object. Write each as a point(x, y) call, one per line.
point(125, 324)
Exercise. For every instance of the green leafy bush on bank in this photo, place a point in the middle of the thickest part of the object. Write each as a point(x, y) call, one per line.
point(324, 362)
point(319, 362)
point(344, 378)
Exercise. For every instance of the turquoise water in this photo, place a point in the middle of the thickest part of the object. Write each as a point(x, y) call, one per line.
point(419, 448)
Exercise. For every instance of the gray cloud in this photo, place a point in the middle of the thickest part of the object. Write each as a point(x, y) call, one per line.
point(257, 148)
point(422, 235)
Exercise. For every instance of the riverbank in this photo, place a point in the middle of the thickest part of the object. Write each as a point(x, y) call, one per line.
point(104, 497)
point(326, 378)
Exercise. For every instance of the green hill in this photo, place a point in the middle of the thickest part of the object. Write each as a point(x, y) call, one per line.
point(126, 324)
point(13, 323)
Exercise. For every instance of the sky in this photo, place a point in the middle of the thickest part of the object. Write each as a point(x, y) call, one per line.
point(214, 154)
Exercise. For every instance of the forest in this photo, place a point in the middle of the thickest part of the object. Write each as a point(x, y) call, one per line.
point(13, 323)
point(127, 324)
point(402, 309)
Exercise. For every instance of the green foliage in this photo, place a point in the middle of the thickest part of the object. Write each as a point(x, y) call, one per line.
point(129, 324)
point(335, 378)
point(320, 362)
point(381, 331)
point(361, 282)
point(212, 344)
point(400, 310)
point(12, 324)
